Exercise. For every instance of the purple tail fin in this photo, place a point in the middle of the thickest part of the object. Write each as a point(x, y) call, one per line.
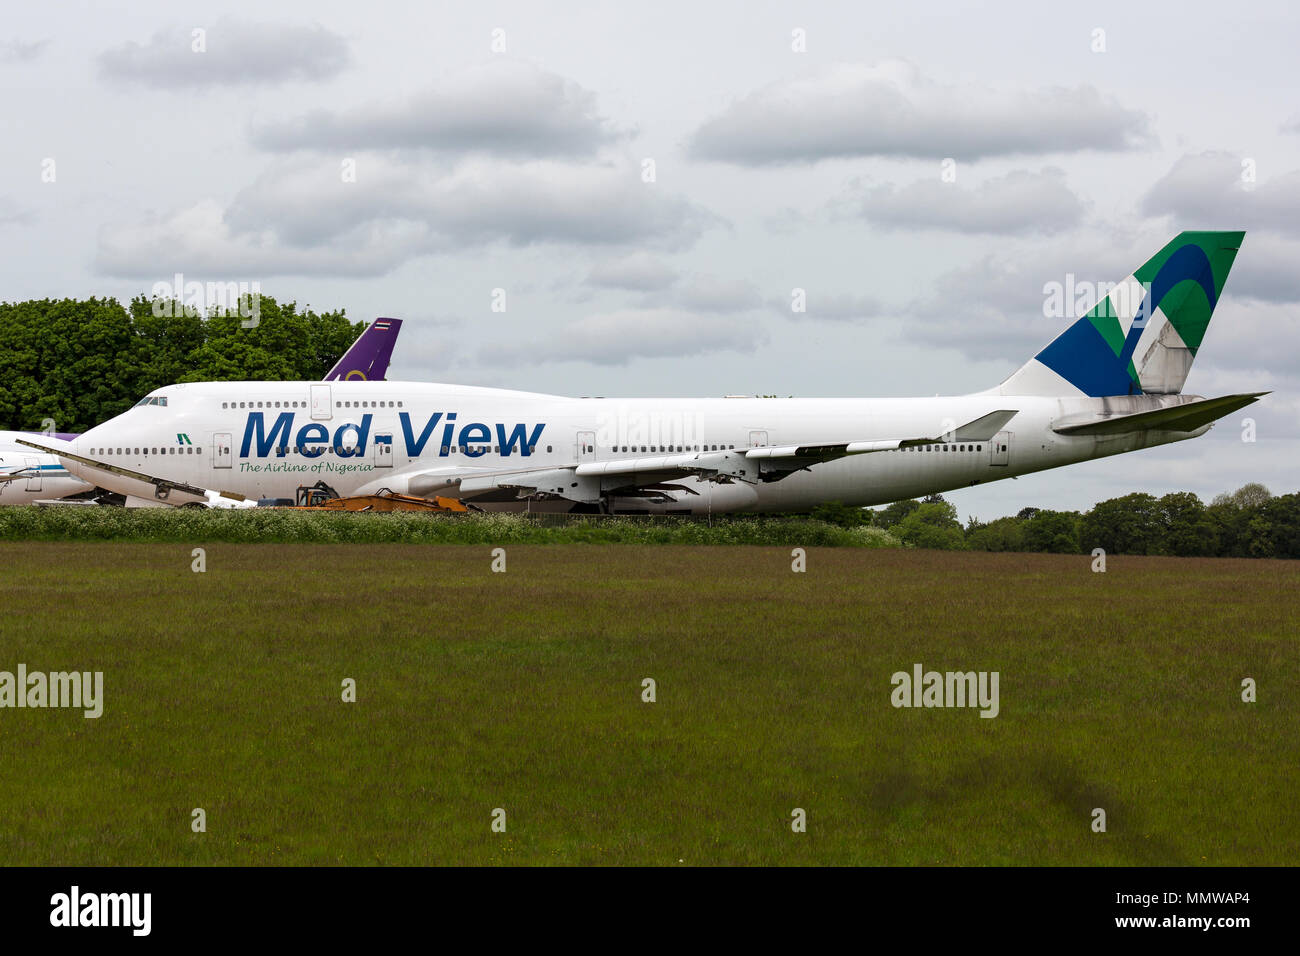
point(368, 358)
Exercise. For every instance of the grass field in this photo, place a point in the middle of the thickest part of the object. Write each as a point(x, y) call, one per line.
point(522, 690)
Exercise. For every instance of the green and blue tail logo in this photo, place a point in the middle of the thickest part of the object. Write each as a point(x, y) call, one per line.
point(1168, 303)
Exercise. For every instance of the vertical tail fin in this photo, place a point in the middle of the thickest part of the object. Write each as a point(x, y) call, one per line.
point(1142, 337)
point(369, 355)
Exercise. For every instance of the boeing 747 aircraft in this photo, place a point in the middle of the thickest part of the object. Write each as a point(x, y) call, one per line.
point(1110, 383)
point(28, 476)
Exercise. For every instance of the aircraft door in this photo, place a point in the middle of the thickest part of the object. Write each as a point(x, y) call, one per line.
point(758, 439)
point(384, 451)
point(34, 474)
point(1000, 449)
point(322, 405)
point(221, 450)
point(586, 446)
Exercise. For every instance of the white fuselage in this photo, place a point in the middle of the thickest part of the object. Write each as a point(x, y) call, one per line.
point(34, 476)
point(265, 439)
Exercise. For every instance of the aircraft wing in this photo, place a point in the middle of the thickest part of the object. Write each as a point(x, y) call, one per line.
point(140, 485)
point(651, 476)
point(19, 474)
point(981, 429)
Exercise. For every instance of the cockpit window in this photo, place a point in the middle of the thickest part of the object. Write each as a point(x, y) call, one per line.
point(153, 400)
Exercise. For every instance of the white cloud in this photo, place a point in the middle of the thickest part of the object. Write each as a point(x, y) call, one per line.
point(234, 52)
point(638, 271)
point(199, 241)
point(619, 337)
point(1019, 203)
point(993, 308)
point(300, 217)
point(832, 307)
point(11, 213)
point(1266, 269)
point(710, 293)
point(1259, 338)
point(22, 51)
point(1208, 191)
point(891, 109)
point(505, 107)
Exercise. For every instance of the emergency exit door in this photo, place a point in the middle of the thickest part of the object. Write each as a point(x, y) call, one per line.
point(1000, 449)
point(221, 450)
point(321, 402)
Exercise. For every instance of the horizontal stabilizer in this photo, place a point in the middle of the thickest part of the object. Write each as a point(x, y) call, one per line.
point(1185, 417)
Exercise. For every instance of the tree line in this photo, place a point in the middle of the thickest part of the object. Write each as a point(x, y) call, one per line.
point(79, 362)
point(1248, 523)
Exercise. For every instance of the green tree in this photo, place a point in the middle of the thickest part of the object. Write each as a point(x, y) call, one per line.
point(1001, 534)
point(1127, 525)
point(892, 514)
point(1188, 530)
point(838, 513)
point(1230, 516)
point(81, 362)
point(1283, 515)
point(1251, 495)
point(932, 524)
point(1054, 531)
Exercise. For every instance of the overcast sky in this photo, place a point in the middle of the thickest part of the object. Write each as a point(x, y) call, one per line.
point(409, 159)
